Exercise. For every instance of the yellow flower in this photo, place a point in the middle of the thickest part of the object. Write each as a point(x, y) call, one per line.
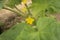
point(29, 20)
point(24, 1)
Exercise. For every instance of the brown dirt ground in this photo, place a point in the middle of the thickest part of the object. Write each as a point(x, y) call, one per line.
point(8, 19)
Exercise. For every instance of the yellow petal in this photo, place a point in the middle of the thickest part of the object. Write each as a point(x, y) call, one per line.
point(29, 20)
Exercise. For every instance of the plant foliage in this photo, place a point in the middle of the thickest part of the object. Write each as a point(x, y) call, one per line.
point(47, 29)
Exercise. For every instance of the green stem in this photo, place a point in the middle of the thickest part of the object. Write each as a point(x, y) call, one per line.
point(28, 10)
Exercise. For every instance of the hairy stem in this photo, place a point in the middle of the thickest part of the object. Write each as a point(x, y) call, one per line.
point(28, 10)
point(12, 10)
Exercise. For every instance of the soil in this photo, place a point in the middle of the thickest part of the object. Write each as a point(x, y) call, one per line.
point(8, 19)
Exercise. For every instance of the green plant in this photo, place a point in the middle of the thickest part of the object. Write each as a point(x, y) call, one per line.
point(47, 28)
point(40, 25)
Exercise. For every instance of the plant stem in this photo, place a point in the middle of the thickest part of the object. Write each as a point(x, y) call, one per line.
point(18, 10)
point(12, 10)
point(28, 10)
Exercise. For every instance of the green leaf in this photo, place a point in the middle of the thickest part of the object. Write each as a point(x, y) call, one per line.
point(56, 5)
point(12, 33)
point(58, 32)
point(39, 5)
point(49, 29)
point(16, 31)
point(52, 6)
point(45, 21)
